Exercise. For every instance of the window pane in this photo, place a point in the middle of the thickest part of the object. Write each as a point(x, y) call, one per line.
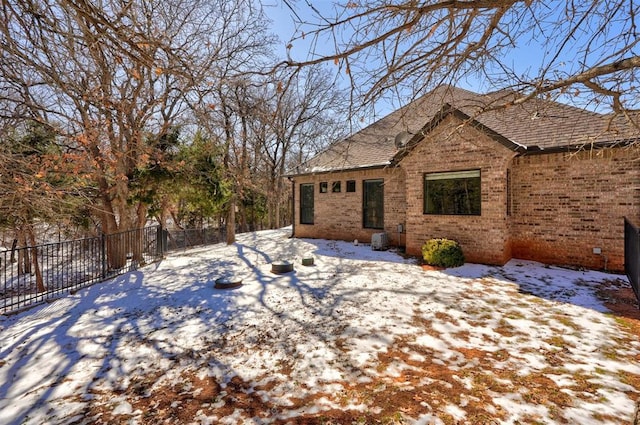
point(351, 185)
point(373, 204)
point(456, 193)
point(323, 187)
point(335, 187)
point(306, 204)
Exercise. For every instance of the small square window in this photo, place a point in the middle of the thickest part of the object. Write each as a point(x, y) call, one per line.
point(324, 187)
point(351, 185)
point(335, 187)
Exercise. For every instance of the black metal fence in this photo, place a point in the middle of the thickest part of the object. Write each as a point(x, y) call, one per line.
point(33, 275)
point(186, 238)
point(632, 255)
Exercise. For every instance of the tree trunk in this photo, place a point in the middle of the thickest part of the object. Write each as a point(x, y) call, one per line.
point(24, 263)
point(221, 227)
point(36, 266)
point(164, 212)
point(137, 236)
point(254, 225)
point(244, 221)
point(116, 246)
point(176, 220)
point(278, 195)
point(13, 250)
point(123, 238)
point(231, 221)
point(270, 213)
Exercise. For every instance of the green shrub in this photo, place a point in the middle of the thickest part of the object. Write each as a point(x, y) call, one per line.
point(442, 253)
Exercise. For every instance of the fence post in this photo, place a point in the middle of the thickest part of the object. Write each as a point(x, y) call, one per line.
point(165, 241)
point(161, 241)
point(103, 255)
point(159, 251)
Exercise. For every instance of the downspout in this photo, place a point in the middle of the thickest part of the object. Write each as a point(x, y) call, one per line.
point(293, 207)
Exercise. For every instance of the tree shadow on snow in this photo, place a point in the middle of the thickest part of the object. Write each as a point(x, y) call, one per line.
point(594, 290)
point(144, 323)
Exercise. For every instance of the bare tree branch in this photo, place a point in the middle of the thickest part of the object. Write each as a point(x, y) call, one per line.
point(585, 52)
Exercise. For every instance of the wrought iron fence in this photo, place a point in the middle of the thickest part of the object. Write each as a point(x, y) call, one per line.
point(185, 238)
point(32, 275)
point(632, 255)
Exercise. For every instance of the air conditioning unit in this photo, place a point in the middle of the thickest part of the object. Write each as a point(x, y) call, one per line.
point(379, 241)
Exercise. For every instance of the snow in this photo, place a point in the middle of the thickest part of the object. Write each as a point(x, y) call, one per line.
point(358, 317)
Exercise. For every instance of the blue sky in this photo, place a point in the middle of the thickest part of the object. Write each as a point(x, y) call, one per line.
point(283, 26)
point(526, 57)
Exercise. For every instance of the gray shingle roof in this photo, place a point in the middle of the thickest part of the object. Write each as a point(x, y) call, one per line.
point(534, 125)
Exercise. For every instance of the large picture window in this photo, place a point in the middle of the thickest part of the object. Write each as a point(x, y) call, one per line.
point(373, 204)
point(306, 203)
point(453, 193)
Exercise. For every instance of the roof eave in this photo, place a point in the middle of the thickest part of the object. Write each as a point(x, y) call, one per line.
point(537, 150)
point(339, 170)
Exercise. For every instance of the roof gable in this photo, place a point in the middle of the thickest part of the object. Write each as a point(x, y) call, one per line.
point(445, 111)
point(537, 125)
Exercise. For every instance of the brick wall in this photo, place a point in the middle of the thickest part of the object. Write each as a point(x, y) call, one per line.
point(339, 215)
point(563, 205)
point(567, 204)
point(484, 238)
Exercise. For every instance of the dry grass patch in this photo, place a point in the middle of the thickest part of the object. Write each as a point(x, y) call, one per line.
point(566, 321)
point(410, 379)
point(506, 329)
point(444, 317)
point(515, 315)
point(462, 335)
point(558, 341)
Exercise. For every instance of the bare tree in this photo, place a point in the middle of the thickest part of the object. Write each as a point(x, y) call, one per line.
point(262, 125)
point(298, 114)
point(224, 106)
point(586, 52)
point(116, 76)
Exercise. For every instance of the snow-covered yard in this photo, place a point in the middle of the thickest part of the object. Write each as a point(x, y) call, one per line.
point(360, 337)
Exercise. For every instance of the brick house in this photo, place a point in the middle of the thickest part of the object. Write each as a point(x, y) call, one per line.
point(540, 181)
